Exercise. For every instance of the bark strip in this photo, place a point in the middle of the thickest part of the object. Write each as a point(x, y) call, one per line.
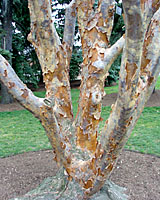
point(148, 9)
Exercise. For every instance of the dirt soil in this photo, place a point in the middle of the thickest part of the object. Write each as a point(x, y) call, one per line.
point(139, 173)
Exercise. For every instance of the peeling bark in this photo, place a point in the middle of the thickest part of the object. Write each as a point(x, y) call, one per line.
point(95, 30)
point(69, 29)
point(54, 61)
point(87, 160)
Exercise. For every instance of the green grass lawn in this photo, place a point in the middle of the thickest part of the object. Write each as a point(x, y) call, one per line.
point(158, 84)
point(21, 132)
point(146, 135)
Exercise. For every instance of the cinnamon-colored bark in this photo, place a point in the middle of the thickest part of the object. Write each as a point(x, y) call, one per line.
point(86, 159)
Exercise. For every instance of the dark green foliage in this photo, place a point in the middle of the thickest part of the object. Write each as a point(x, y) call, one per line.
point(62, 2)
point(76, 60)
point(5, 53)
point(95, 4)
point(118, 27)
point(114, 72)
point(25, 61)
point(60, 16)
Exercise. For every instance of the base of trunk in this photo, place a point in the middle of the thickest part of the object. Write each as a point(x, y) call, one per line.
point(58, 187)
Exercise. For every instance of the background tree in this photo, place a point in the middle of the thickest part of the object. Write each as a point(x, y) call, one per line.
point(6, 42)
point(87, 160)
point(15, 27)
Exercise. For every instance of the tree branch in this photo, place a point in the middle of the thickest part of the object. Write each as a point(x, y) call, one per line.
point(129, 74)
point(43, 36)
point(117, 130)
point(113, 52)
point(151, 49)
point(134, 35)
point(85, 13)
point(57, 114)
point(18, 89)
point(107, 9)
point(52, 57)
point(42, 24)
point(148, 9)
point(69, 29)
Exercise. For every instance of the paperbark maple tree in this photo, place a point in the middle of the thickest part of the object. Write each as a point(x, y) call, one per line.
point(87, 160)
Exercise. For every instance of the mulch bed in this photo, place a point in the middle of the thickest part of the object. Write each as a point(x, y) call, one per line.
point(139, 173)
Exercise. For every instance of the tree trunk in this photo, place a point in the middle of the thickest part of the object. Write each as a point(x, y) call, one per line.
point(87, 160)
point(6, 97)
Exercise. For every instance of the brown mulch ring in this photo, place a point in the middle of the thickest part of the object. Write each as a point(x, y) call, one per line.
point(139, 173)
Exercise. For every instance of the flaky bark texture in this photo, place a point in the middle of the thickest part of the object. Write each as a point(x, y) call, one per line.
point(87, 160)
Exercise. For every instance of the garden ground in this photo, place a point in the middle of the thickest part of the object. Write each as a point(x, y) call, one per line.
point(139, 173)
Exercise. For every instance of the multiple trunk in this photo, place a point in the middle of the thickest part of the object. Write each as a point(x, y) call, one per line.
point(87, 160)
